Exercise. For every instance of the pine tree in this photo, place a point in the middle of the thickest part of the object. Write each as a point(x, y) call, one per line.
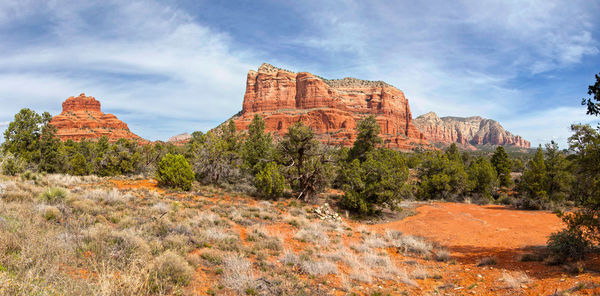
point(502, 164)
point(258, 146)
point(367, 140)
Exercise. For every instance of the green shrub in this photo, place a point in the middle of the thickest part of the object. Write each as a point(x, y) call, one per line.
point(269, 181)
point(568, 244)
point(54, 195)
point(175, 172)
point(12, 165)
point(378, 181)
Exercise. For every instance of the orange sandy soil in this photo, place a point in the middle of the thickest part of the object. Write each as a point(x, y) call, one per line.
point(473, 232)
point(469, 232)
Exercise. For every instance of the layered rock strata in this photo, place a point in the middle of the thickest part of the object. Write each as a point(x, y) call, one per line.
point(468, 131)
point(331, 107)
point(83, 119)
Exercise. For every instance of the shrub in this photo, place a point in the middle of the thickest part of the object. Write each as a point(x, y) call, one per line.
point(175, 172)
point(51, 213)
point(269, 181)
point(378, 181)
point(168, 271)
point(54, 194)
point(12, 165)
point(568, 244)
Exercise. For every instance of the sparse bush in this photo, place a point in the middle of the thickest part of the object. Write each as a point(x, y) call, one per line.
point(54, 195)
point(51, 213)
point(238, 274)
point(318, 267)
point(269, 181)
point(568, 244)
point(168, 271)
point(11, 165)
point(413, 244)
point(515, 280)
point(174, 171)
point(486, 261)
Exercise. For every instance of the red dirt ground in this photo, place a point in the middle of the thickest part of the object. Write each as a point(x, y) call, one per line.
point(472, 232)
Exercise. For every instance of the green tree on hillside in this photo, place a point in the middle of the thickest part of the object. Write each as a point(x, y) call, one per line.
point(306, 163)
point(258, 146)
point(174, 171)
point(502, 164)
point(367, 140)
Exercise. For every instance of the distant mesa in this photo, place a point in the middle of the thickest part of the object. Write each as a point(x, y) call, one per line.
point(180, 139)
point(82, 119)
point(470, 132)
point(331, 107)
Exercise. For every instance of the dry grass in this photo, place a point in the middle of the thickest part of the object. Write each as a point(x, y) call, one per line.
point(514, 280)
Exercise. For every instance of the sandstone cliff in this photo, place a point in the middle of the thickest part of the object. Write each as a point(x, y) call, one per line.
point(82, 118)
point(331, 107)
point(468, 131)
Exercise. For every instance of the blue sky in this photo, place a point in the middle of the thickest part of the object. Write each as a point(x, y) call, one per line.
point(167, 67)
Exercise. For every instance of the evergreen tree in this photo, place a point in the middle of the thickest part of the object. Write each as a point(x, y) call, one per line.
point(306, 164)
point(174, 171)
point(559, 178)
point(453, 153)
point(502, 164)
point(380, 180)
point(534, 179)
point(23, 135)
point(50, 147)
point(482, 176)
point(441, 178)
point(258, 146)
point(368, 138)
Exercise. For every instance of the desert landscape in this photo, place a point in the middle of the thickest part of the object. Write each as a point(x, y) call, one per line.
point(415, 148)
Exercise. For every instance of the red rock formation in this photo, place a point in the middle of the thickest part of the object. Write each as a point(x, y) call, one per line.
point(82, 118)
point(331, 107)
point(468, 131)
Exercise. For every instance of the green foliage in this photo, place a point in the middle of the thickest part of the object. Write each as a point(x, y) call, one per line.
point(453, 153)
point(269, 181)
point(215, 157)
point(50, 160)
point(23, 134)
point(441, 177)
point(367, 140)
point(54, 195)
point(378, 181)
point(568, 244)
point(558, 176)
point(79, 165)
point(593, 102)
point(11, 165)
point(258, 146)
point(174, 171)
point(482, 176)
point(502, 164)
point(307, 165)
point(534, 179)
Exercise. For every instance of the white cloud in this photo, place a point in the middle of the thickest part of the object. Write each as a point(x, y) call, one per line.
point(147, 61)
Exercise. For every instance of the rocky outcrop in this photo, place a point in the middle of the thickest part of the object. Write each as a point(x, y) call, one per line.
point(331, 107)
point(180, 139)
point(468, 131)
point(82, 119)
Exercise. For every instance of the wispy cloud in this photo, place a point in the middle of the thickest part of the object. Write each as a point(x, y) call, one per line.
point(146, 61)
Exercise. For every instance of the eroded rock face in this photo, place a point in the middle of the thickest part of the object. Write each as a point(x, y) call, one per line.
point(82, 118)
point(468, 131)
point(331, 107)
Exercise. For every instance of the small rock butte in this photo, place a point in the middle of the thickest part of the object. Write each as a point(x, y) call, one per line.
point(82, 119)
point(331, 107)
